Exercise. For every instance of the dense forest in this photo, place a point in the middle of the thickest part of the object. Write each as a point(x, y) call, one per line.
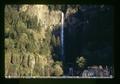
point(33, 38)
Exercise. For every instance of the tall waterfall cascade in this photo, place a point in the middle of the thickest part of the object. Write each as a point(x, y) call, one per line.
point(62, 37)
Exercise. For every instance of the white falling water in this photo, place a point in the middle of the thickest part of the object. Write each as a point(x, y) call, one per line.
point(62, 37)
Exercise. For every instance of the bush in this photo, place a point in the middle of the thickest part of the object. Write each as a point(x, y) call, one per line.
point(7, 30)
point(20, 27)
point(58, 70)
point(22, 41)
point(9, 43)
point(81, 61)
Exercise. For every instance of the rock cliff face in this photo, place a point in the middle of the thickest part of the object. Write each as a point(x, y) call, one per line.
point(28, 40)
point(44, 15)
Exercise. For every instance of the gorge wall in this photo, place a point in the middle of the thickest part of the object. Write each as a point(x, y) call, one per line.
point(32, 37)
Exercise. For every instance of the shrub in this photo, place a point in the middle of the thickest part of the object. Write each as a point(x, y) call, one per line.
point(20, 27)
point(9, 43)
point(81, 61)
point(58, 70)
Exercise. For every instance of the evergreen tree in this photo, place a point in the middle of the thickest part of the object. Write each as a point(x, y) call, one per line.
point(81, 61)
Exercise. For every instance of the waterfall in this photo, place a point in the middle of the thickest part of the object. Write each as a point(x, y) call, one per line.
point(62, 37)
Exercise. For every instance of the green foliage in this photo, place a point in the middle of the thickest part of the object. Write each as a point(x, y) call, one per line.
point(9, 43)
point(58, 68)
point(24, 17)
point(81, 61)
point(54, 40)
point(58, 63)
point(58, 41)
point(7, 29)
point(11, 15)
point(20, 27)
point(44, 48)
point(30, 46)
point(32, 23)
